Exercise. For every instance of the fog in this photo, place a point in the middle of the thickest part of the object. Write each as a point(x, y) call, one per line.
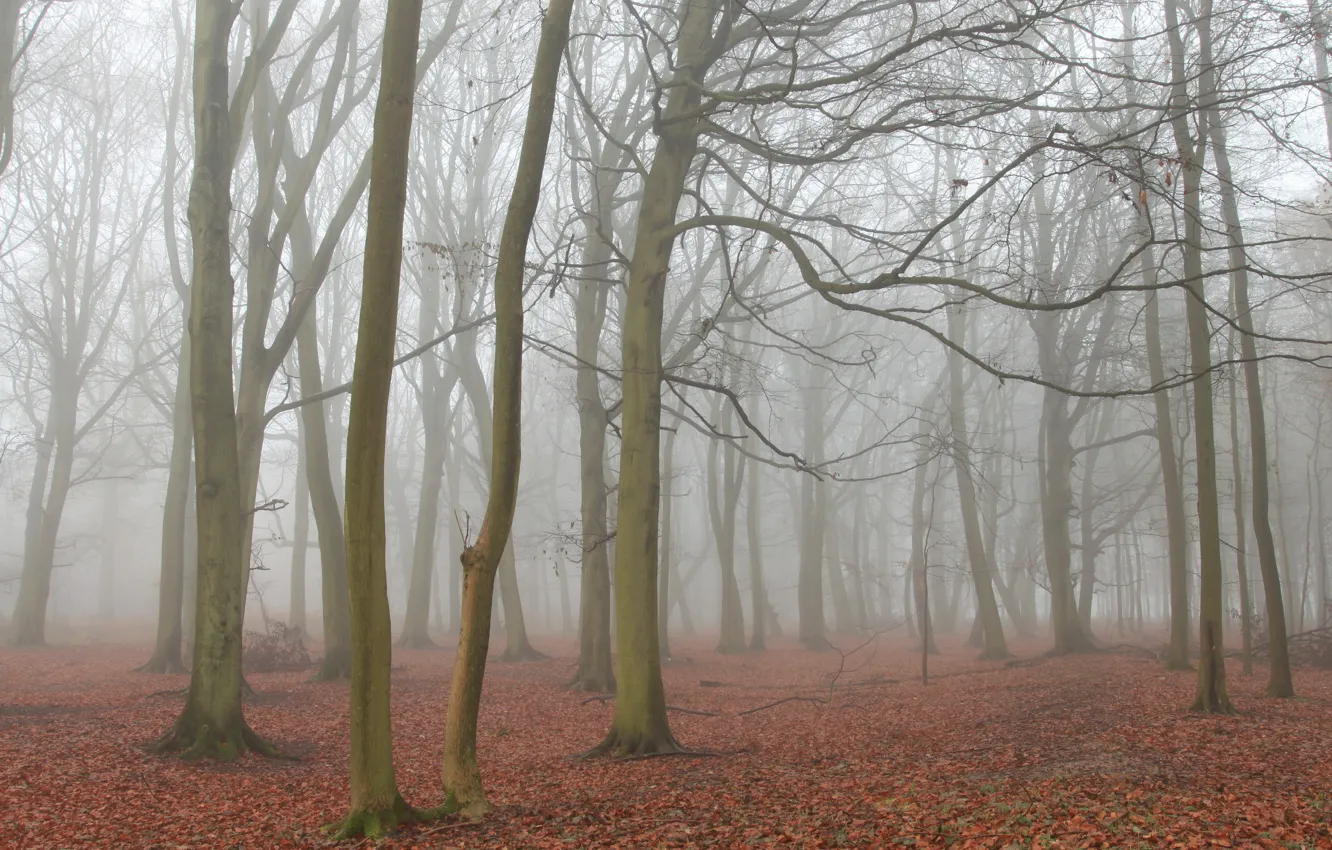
point(1005, 322)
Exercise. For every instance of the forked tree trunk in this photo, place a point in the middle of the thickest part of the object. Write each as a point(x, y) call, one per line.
point(375, 804)
point(461, 773)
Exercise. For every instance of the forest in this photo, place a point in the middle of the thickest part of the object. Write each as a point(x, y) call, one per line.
point(716, 423)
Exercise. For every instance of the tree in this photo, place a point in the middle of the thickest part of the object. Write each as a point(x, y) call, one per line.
point(1211, 694)
point(376, 806)
point(481, 560)
point(212, 723)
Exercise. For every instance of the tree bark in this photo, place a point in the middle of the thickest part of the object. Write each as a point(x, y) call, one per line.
point(987, 607)
point(1211, 692)
point(1279, 683)
point(375, 804)
point(640, 725)
point(212, 722)
point(335, 602)
point(481, 561)
point(166, 656)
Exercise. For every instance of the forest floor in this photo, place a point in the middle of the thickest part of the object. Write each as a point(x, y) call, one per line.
point(1082, 751)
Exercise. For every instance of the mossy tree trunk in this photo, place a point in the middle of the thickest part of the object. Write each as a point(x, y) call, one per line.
point(481, 560)
point(640, 725)
point(375, 804)
point(212, 723)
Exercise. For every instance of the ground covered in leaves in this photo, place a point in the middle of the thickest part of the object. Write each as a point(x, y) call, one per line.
point(1066, 752)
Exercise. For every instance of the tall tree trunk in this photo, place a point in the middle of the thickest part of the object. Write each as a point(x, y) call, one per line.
point(375, 804)
point(918, 569)
point(106, 576)
point(335, 604)
point(1211, 693)
point(987, 607)
point(723, 496)
point(640, 725)
point(666, 568)
point(166, 656)
point(481, 561)
point(416, 620)
point(1241, 555)
point(809, 591)
point(1280, 683)
point(301, 537)
point(212, 722)
point(753, 529)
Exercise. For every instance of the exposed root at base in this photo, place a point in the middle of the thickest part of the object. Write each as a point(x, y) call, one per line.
point(162, 667)
point(417, 642)
point(203, 742)
point(377, 823)
point(996, 655)
point(523, 653)
point(621, 747)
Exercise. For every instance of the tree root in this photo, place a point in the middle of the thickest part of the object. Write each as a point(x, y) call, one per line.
point(377, 823)
point(162, 666)
point(526, 652)
point(605, 698)
point(624, 747)
point(783, 701)
point(193, 743)
point(334, 668)
point(416, 642)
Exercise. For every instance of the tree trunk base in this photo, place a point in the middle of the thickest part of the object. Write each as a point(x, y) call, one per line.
point(193, 741)
point(377, 823)
point(731, 648)
point(1212, 705)
point(757, 645)
point(818, 644)
point(416, 642)
point(523, 652)
point(994, 655)
point(619, 745)
point(1175, 664)
point(162, 665)
point(336, 666)
point(592, 682)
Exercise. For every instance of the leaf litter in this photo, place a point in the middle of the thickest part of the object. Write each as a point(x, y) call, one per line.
point(1082, 751)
